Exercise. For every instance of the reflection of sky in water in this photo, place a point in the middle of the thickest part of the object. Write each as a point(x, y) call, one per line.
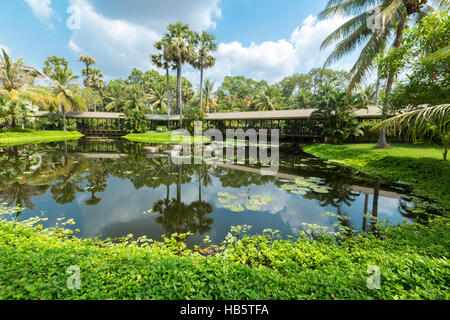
point(121, 210)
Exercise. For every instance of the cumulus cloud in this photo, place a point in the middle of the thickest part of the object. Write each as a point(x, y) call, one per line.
point(41, 9)
point(272, 61)
point(120, 36)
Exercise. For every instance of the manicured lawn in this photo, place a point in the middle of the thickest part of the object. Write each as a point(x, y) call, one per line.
point(158, 137)
point(420, 165)
point(412, 260)
point(18, 138)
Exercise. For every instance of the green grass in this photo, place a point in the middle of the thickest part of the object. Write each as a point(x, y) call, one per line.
point(159, 137)
point(412, 261)
point(8, 139)
point(420, 165)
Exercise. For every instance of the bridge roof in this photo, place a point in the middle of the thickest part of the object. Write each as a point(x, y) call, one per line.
point(369, 113)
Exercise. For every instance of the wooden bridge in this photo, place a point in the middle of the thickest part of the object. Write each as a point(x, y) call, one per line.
point(290, 122)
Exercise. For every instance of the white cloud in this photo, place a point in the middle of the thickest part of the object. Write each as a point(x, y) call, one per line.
point(273, 61)
point(120, 36)
point(42, 10)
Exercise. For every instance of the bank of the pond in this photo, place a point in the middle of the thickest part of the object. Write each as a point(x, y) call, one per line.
point(412, 262)
point(167, 137)
point(18, 138)
point(420, 165)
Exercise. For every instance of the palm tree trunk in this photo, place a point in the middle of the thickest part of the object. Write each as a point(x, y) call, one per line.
point(168, 97)
point(201, 86)
point(179, 93)
point(366, 209)
point(382, 142)
point(376, 196)
point(64, 118)
point(377, 90)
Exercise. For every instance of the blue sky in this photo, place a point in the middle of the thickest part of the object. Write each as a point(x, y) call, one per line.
point(262, 39)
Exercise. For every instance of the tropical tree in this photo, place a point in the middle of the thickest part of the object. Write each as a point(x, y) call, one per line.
point(204, 59)
point(114, 95)
point(57, 69)
point(181, 50)
point(97, 84)
point(394, 16)
point(208, 92)
point(163, 60)
point(303, 98)
point(432, 122)
point(265, 101)
point(88, 61)
point(157, 97)
point(17, 82)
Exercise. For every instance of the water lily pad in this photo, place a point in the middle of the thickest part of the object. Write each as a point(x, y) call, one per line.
point(224, 200)
point(234, 208)
point(301, 192)
point(253, 207)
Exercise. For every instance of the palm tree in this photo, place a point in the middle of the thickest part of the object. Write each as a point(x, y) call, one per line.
point(208, 91)
point(263, 101)
point(162, 60)
point(204, 57)
point(96, 83)
point(428, 121)
point(157, 96)
point(62, 77)
point(303, 98)
point(134, 99)
point(88, 61)
point(181, 50)
point(394, 14)
point(115, 96)
point(17, 82)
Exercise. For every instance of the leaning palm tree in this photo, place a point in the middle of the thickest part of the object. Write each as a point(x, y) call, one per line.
point(62, 77)
point(181, 50)
point(394, 17)
point(433, 122)
point(204, 57)
point(17, 82)
point(88, 61)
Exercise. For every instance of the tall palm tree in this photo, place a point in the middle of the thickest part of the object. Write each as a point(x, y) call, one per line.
point(204, 57)
point(181, 50)
point(62, 77)
point(394, 16)
point(88, 61)
point(163, 60)
point(96, 83)
point(17, 82)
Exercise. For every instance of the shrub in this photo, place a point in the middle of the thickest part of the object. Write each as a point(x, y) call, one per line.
point(71, 128)
point(49, 122)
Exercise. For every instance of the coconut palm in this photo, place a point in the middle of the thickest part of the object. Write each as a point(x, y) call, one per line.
point(208, 91)
point(62, 77)
point(115, 93)
point(157, 96)
point(263, 101)
point(204, 57)
point(394, 16)
point(88, 61)
point(181, 50)
point(429, 121)
point(303, 98)
point(17, 82)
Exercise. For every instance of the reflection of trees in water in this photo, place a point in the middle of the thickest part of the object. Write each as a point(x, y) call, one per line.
point(178, 217)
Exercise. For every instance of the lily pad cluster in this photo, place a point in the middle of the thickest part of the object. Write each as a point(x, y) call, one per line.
point(243, 201)
point(302, 186)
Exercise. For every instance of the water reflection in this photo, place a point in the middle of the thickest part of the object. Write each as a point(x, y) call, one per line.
point(107, 185)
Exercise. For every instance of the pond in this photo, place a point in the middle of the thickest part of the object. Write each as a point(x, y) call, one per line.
point(112, 188)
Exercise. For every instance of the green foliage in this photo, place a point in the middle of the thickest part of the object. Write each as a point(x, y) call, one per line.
point(420, 165)
point(191, 115)
point(50, 121)
point(428, 80)
point(136, 122)
point(412, 261)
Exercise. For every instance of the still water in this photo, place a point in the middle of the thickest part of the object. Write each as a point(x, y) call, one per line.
point(112, 188)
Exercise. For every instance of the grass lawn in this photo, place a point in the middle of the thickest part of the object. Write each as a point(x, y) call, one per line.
point(166, 137)
point(18, 138)
point(420, 165)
